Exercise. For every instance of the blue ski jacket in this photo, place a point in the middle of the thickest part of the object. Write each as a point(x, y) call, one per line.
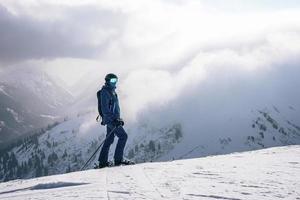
point(109, 104)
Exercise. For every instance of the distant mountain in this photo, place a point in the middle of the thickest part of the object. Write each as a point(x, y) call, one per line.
point(84, 92)
point(67, 145)
point(244, 113)
point(30, 99)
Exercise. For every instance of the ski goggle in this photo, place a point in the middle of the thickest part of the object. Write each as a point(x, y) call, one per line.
point(113, 80)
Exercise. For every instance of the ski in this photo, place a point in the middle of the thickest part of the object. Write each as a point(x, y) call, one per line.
point(112, 164)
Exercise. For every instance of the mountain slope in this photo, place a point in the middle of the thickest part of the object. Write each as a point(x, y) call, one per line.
point(67, 145)
point(30, 99)
point(216, 117)
point(265, 174)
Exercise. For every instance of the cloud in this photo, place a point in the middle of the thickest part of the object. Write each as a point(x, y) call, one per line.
point(160, 49)
point(193, 62)
point(81, 32)
point(131, 34)
point(225, 102)
point(146, 90)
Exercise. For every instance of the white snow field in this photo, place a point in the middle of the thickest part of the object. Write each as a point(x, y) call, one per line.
point(272, 173)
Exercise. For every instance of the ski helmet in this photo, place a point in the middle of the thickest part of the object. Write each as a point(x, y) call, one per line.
point(111, 78)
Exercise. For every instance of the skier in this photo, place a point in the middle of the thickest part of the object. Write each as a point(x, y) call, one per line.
point(109, 110)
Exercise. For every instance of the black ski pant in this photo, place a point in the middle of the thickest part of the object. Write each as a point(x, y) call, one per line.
point(119, 151)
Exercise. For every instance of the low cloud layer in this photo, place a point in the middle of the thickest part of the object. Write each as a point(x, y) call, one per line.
point(227, 67)
point(168, 54)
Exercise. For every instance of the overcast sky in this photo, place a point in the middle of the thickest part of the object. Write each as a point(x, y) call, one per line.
point(70, 38)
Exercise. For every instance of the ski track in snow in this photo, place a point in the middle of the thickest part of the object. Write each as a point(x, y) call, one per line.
point(272, 173)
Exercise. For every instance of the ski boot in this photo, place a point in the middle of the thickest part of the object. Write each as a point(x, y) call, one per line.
point(102, 165)
point(124, 162)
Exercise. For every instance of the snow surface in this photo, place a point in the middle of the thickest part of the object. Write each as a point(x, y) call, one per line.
point(15, 115)
point(3, 91)
point(272, 173)
point(2, 124)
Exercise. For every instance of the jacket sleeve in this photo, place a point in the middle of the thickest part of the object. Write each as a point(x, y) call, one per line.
point(99, 103)
point(106, 107)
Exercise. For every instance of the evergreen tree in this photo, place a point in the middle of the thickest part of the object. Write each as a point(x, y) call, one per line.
point(42, 155)
point(30, 163)
point(158, 146)
point(5, 157)
point(52, 158)
point(46, 171)
point(152, 146)
point(131, 154)
point(19, 172)
point(35, 140)
point(65, 154)
point(68, 169)
point(12, 161)
point(38, 171)
point(25, 168)
point(178, 132)
point(37, 161)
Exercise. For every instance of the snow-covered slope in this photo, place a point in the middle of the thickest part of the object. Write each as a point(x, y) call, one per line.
point(272, 173)
point(69, 144)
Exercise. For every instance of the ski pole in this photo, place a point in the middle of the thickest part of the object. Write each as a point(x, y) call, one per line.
point(87, 162)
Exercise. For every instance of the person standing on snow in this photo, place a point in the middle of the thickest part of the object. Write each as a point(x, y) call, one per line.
point(109, 109)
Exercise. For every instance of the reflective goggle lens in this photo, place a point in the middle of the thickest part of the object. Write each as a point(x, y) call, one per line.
point(113, 80)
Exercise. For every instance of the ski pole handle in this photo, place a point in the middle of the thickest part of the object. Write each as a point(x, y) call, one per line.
point(97, 118)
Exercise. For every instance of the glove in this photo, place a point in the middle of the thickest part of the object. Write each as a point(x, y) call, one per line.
point(119, 122)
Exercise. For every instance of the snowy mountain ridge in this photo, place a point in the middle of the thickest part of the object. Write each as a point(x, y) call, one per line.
point(215, 117)
point(66, 146)
point(30, 99)
point(271, 173)
point(39, 83)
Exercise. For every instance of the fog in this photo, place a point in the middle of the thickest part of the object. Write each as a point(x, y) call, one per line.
point(176, 60)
